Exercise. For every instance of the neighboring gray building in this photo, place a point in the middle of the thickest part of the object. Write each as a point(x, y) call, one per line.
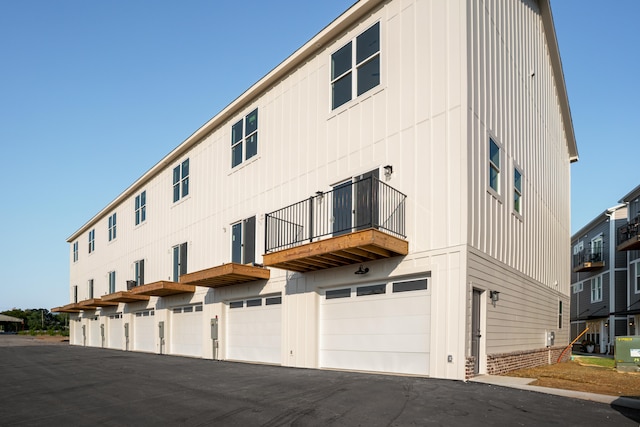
point(605, 278)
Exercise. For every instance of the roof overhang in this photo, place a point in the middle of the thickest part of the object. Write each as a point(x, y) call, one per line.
point(226, 275)
point(93, 303)
point(558, 75)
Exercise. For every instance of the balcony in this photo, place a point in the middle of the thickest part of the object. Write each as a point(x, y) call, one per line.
point(588, 260)
point(125, 296)
point(225, 275)
point(356, 222)
point(93, 303)
point(627, 236)
point(163, 289)
point(69, 308)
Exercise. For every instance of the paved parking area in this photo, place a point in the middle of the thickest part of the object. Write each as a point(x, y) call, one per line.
point(58, 384)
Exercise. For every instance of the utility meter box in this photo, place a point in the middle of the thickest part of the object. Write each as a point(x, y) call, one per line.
point(161, 329)
point(627, 354)
point(551, 338)
point(214, 328)
point(126, 330)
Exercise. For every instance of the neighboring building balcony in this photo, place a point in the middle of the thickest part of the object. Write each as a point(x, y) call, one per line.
point(588, 260)
point(356, 222)
point(628, 238)
point(163, 289)
point(226, 275)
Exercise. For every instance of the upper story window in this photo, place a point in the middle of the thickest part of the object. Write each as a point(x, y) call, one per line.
point(179, 261)
point(355, 71)
point(636, 277)
point(517, 191)
point(92, 240)
point(138, 267)
point(597, 245)
point(90, 288)
point(75, 293)
point(141, 207)
point(75, 251)
point(112, 227)
point(577, 288)
point(494, 166)
point(596, 289)
point(243, 241)
point(181, 180)
point(244, 139)
point(112, 282)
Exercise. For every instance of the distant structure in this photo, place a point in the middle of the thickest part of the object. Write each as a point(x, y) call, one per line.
point(393, 197)
point(9, 323)
point(605, 278)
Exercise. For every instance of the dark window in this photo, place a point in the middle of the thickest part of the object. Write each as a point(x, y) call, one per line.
point(199, 307)
point(187, 310)
point(410, 285)
point(181, 180)
point(273, 300)
point(92, 240)
point(177, 310)
point(338, 293)
point(243, 241)
point(494, 166)
point(366, 65)
point(236, 304)
point(179, 261)
point(112, 227)
point(371, 290)
point(141, 207)
point(254, 302)
point(244, 138)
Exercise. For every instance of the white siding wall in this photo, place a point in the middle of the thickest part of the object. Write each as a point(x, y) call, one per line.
point(507, 45)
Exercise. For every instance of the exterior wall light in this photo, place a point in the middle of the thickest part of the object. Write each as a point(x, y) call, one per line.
point(362, 270)
point(495, 297)
point(388, 170)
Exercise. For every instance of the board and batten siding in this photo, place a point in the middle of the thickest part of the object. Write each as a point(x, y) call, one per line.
point(513, 98)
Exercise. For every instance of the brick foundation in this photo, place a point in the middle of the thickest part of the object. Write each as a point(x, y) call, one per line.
point(501, 363)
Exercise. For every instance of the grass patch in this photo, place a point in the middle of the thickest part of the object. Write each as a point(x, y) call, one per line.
point(596, 361)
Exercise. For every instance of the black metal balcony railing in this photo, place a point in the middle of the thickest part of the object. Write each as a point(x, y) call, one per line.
point(590, 255)
point(628, 231)
point(353, 206)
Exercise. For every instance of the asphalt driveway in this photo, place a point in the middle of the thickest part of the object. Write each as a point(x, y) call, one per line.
point(58, 384)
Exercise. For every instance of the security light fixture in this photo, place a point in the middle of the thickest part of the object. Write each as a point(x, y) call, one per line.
point(388, 170)
point(362, 270)
point(495, 297)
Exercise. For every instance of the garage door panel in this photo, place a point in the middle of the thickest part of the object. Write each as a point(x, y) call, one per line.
point(387, 332)
point(377, 325)
point(144, 332)
point(255, 333)
point(115, 333)
point(186, 331)
point(411, 363)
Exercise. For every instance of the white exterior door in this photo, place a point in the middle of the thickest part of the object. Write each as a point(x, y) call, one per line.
point(254, 330)
point(78, 339)
point(186, 331)
point(115, 332)
point(144, 331)
point(378, 327)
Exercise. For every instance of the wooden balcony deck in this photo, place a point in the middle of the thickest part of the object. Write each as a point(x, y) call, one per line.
point(631, 244)
point(226, 275)
point(588, 266)
point(163, 289)
point(352, 248)
point(69, 308)
point(125, 296)
point(93, 303)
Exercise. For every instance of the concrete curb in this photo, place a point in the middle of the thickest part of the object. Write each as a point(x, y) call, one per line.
point(523, 384)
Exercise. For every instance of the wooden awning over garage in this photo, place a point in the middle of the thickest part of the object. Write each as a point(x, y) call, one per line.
point(69, 308)
point(94, 303)
point(125, 296)
point(163, 289)
point(226, 275)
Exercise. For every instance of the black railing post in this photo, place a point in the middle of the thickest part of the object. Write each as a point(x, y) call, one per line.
point(311, 219)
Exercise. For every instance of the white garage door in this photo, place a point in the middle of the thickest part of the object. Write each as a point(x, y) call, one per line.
point(115, 331)
point(254, 330)
point(144, 331)
point(186, 330)
point(382, 327)
point(94, 339)
point(77, 332)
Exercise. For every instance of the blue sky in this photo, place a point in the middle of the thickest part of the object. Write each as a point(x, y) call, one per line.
point(93, 94)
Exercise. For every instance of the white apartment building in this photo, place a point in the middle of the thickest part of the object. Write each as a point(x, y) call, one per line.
point(393, 197)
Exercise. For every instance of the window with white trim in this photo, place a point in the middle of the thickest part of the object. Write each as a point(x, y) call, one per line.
point(243, 241)
point(138, 268)
point(637, 277)
point(596, 289)
point(90, 288)
point(517, 191)
point(92, 240)
point(112, 227)
point(578, 287)
point(355, 71)
point(494, 166)
point(75, 251)
point(244, 138)
point(181, 181)
point(112, 282)
point(597, 246)
point(141, 207)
